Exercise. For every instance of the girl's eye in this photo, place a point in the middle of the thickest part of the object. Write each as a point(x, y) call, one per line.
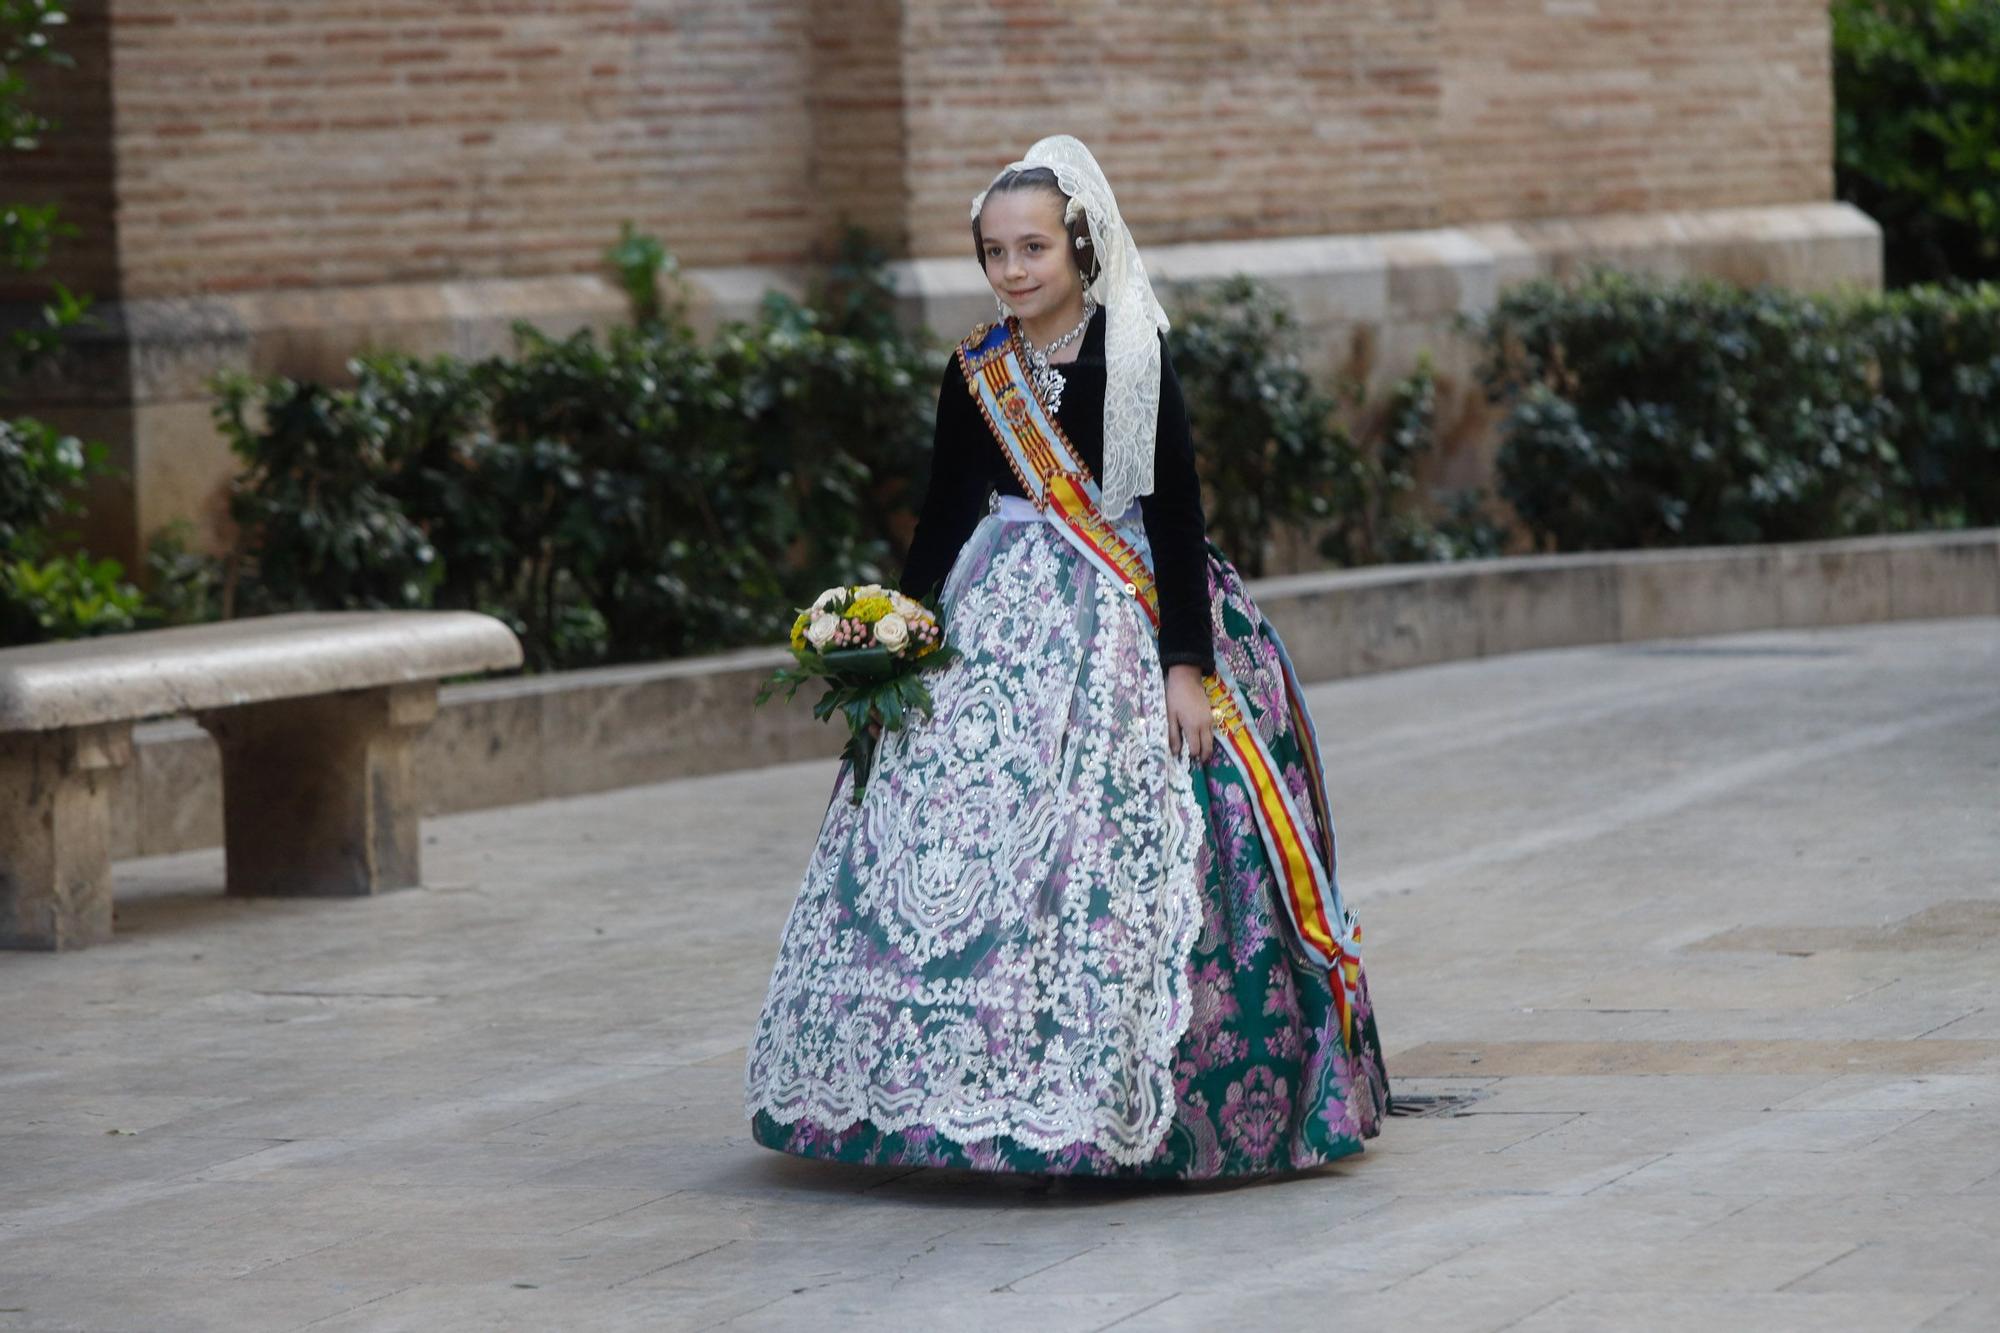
point(1034, 245)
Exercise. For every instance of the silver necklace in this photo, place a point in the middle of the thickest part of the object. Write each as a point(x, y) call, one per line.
point(1049, 380)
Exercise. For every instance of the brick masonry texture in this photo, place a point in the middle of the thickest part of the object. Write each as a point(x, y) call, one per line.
point(241, 147)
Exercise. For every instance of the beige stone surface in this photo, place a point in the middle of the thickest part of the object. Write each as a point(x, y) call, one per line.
point(1717, 915)
point(55, 834)
point(320, 794)
point(237, 662)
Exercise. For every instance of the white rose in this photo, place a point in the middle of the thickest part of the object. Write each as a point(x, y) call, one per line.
point(892, 631)
point(828, 598)
point(869, 590)
point(820, 631)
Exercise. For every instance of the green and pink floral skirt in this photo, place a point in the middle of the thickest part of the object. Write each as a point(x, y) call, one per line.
point(1044, 944)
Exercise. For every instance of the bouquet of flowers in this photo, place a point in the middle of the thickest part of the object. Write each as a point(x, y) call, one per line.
point(871, 645)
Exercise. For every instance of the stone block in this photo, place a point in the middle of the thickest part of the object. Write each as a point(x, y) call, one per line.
point(320, 794)
point(1944, 575)
point(1533, 603)
point(1832, 583)
point(55, 834)
point(1701, 590)
point(485, 749)
point(626, 726)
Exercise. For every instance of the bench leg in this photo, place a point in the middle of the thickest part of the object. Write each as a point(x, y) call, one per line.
point(319, 795)
point(55, 834)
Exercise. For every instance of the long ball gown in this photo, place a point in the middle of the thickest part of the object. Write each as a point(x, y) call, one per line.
point(1043, 943)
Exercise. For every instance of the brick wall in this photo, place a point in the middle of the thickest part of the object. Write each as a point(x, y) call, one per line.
point(1239, 120)
point(1574, 107)
point(264, 144)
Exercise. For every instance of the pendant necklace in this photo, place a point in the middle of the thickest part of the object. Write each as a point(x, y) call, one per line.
point(1049, 380)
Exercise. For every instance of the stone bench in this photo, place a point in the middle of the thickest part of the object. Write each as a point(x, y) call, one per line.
point(314, 714)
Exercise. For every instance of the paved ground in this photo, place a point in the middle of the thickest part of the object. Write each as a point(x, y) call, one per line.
point(1706, 931)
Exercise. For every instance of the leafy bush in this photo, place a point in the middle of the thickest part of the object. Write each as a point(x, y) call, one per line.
point(613, 498)
point(317, 504)
point(1646, 412)
point(65, 597)
point(1273, 453)
point(1391, 529)
point(28, 233)
point(1917, 118)
point(1265, 435)
point(43, 595)
point(1938, 354)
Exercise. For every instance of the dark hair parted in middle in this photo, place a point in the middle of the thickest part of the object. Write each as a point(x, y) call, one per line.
point(1042, 178)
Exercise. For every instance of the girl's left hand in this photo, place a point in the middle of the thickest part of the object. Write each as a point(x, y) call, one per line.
point(1189, 721)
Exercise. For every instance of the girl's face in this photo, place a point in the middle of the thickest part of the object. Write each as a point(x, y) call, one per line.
point(1028, 260)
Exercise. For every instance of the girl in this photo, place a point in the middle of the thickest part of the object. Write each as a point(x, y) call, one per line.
point(1085, 919)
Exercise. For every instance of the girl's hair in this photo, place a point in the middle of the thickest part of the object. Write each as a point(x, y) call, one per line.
point(1042, 178)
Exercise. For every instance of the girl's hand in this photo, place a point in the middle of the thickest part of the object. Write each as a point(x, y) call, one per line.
point(1190, 724)
point(875, 723)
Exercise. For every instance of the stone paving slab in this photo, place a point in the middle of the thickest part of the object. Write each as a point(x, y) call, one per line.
point(1699, 936)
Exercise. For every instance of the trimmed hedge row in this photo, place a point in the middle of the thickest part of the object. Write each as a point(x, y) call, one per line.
point(613, 499)
point(1643, 411)
point(645, 495)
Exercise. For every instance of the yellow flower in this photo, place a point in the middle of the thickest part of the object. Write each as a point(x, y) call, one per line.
point(799, 629)
point(870, 609)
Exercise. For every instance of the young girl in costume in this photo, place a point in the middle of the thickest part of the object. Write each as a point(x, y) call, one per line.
point(1085, 919)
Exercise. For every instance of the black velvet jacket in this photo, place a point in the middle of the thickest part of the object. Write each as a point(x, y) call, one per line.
point(967, 466)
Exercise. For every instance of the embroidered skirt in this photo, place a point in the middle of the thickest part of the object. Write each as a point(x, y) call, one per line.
point(1044, 944)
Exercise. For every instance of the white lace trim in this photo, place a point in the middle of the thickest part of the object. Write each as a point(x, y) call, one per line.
point(997, 941)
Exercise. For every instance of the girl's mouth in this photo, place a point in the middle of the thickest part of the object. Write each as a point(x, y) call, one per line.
point(1025, 291)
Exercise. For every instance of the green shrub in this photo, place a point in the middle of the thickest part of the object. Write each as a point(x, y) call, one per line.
point(615, 493)
point(1395, 529)
point(1938, 352)
point(44, 594)
point(322, 524)
point(41, 470)
point(65, 597)
point(28, 232)
point(1273, 452)
point(1917, 131)
point(613, 498)
point(1265, 436)
point(1643, 412)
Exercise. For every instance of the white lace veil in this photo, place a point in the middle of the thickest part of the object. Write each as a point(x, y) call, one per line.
point(1132, 315)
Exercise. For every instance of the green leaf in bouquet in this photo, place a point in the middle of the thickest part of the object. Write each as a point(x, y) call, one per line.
point(890, 703)
point(861, 663)
point(857, 713)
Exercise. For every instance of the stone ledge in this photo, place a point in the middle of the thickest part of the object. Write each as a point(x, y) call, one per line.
point(506, 741)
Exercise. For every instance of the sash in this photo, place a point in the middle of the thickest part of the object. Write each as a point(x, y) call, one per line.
point(1058, 484)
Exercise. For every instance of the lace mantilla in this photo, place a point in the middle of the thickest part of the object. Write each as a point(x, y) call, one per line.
point(996, 941)
point(1133, 318)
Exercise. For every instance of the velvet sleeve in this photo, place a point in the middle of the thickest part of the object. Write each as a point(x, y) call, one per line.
point(955, 499)
point(1177, 530)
